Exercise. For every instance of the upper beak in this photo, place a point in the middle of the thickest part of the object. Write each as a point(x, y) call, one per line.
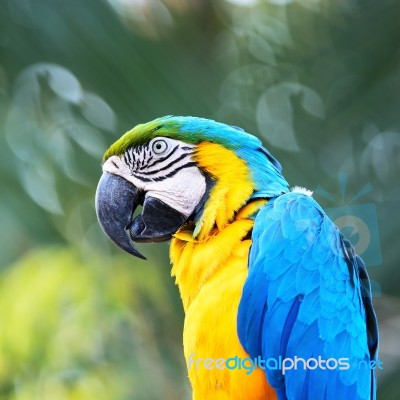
point(116, 201)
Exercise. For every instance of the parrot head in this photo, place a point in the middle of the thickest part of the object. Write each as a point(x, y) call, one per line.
point(184, 172)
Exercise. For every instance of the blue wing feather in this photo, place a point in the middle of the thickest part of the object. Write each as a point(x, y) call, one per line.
point(307, 295)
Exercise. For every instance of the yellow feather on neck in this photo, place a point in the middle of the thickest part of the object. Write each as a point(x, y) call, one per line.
point(199, 252)
point(231, 191)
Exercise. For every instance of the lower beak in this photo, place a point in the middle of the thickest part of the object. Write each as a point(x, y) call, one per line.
point(116, 201)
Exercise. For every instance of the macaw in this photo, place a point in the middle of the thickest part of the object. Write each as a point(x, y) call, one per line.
point(277, 304)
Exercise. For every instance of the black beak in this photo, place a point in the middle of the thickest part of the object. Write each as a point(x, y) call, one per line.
point(116, 201)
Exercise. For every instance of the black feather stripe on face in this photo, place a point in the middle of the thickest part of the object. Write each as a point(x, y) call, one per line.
point(148, 166)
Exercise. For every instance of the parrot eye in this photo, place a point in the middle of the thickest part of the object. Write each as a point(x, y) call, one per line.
point(159, 146)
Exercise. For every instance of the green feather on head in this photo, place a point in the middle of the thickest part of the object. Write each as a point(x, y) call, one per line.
point(168, 126)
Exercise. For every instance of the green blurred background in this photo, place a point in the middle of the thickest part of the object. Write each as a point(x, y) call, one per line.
point(318, 81)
